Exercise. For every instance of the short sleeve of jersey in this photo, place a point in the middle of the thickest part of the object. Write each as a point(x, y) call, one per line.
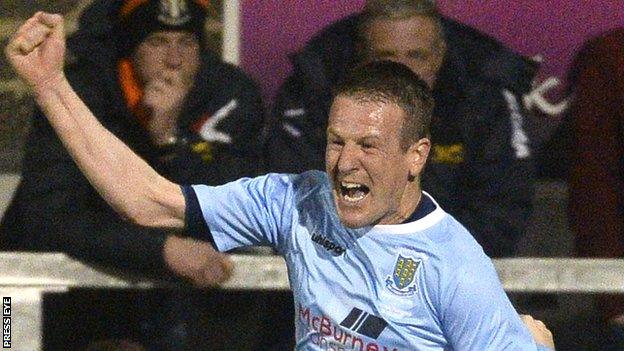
point(477, 314)
point(246, 212)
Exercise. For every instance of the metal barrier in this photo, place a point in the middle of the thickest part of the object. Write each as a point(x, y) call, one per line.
point(25, 277)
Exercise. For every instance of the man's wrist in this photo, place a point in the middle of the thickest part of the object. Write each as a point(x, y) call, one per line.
point(50, 86)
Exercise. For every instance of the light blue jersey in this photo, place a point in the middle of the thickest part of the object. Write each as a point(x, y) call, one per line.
point(424, 285)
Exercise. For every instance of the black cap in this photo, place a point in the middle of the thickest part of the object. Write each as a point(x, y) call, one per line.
point(138, 18)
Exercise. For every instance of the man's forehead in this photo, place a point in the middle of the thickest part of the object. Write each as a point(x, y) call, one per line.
point(418, 31)
point(363, 100)
point(356, 111)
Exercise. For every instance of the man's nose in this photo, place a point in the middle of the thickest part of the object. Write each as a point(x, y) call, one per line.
point(173, 58)
point(349, 158)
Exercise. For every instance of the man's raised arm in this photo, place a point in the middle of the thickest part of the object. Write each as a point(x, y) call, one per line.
point(123, 179)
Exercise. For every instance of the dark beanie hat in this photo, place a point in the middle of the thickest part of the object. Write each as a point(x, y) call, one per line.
point(138, 18)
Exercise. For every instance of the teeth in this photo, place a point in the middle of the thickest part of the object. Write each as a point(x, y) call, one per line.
point(353, 192)
point(354, 198)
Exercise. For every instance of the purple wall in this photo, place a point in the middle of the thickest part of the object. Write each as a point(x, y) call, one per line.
point(553, 29)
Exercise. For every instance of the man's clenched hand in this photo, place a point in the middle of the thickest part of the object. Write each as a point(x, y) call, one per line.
point(37, 50)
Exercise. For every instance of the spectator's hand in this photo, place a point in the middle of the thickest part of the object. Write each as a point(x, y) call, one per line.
point(163, 98)
point(37, 50)
point(540, 332)
point(197, 261)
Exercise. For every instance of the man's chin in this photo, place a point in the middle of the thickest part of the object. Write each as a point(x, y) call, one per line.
point(353, 221)
point(353, 215)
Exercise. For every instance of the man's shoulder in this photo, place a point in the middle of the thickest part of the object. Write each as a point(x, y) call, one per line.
point(226, 75)
point(453, 242)
point(311, 192)
point(301, 184)
point(224, 90)
point(488, 60)
point(309, 181)
point(604, 50)
point(610, 41)
point(327, 55)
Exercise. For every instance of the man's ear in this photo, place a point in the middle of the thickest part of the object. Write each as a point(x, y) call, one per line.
point(418, 153)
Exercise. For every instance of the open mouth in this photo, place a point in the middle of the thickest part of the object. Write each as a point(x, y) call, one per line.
point(353, 192)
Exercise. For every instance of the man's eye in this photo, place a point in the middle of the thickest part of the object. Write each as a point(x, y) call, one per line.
point(367, 146)
point(188, 42)
point(421, 56)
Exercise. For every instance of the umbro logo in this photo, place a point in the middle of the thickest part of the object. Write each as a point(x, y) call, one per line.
point(328, 244)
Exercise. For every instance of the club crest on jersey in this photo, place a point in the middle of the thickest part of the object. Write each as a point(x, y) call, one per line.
point(402, 281)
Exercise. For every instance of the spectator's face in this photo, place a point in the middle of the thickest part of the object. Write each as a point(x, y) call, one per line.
point(164, 53)
point(414, 42)
point(369, 171)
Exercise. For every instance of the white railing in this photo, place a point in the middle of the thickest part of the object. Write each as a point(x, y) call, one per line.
point(261, 272)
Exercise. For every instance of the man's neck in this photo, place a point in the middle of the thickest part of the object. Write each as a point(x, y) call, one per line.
point(408, 204)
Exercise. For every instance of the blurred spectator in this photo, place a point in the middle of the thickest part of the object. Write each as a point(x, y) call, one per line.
point(481, 167)
point(144, 70)
point(596, 202)
point(157, 87)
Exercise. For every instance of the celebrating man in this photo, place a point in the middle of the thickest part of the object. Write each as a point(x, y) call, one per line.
point(374, 262)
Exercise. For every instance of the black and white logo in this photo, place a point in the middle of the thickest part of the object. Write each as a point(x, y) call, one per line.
point(328, 244)
point(364, 323)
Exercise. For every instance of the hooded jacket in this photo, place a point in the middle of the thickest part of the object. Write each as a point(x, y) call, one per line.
point(480, 167)
point(56, 209)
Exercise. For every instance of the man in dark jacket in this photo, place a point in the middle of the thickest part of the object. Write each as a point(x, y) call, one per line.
point(481, 164)
point(157, 87)
point(144, 69)
point(596, 200)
